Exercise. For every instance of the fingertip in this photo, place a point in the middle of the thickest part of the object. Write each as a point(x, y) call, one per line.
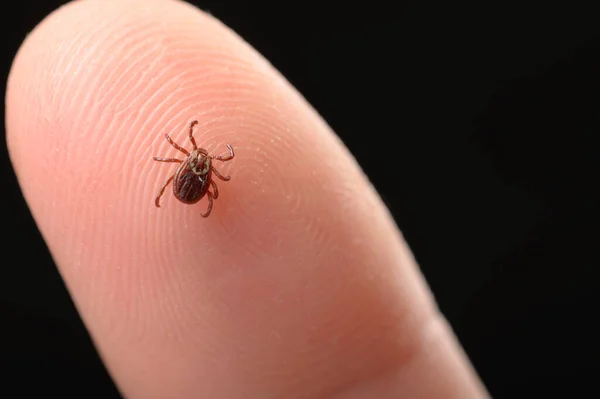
point(298, 273)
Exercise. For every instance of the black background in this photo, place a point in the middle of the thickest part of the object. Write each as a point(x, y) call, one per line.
point(476, 123)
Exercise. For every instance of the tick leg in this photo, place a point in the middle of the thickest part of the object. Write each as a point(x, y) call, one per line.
point(215, 189)
point(167, 159)
point(162, 190)
point(228, 157)
point(194, 123)
point(226, 178)
point(176, 146)
point(210, 203)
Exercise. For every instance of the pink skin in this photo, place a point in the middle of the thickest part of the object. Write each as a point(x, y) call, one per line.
point(298, 285)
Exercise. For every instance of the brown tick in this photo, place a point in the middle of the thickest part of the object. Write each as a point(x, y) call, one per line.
point(193, 177)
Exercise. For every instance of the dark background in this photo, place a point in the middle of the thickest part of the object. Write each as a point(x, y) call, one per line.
point(477, 124)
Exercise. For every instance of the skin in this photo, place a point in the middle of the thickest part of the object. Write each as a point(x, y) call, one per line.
point(277, 293)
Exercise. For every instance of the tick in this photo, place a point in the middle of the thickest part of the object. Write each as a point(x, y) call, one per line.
point(194, 175)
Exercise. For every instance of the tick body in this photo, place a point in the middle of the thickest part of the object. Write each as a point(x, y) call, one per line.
point(193, 179)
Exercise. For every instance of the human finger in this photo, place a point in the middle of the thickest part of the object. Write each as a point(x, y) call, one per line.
point(297, 285)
